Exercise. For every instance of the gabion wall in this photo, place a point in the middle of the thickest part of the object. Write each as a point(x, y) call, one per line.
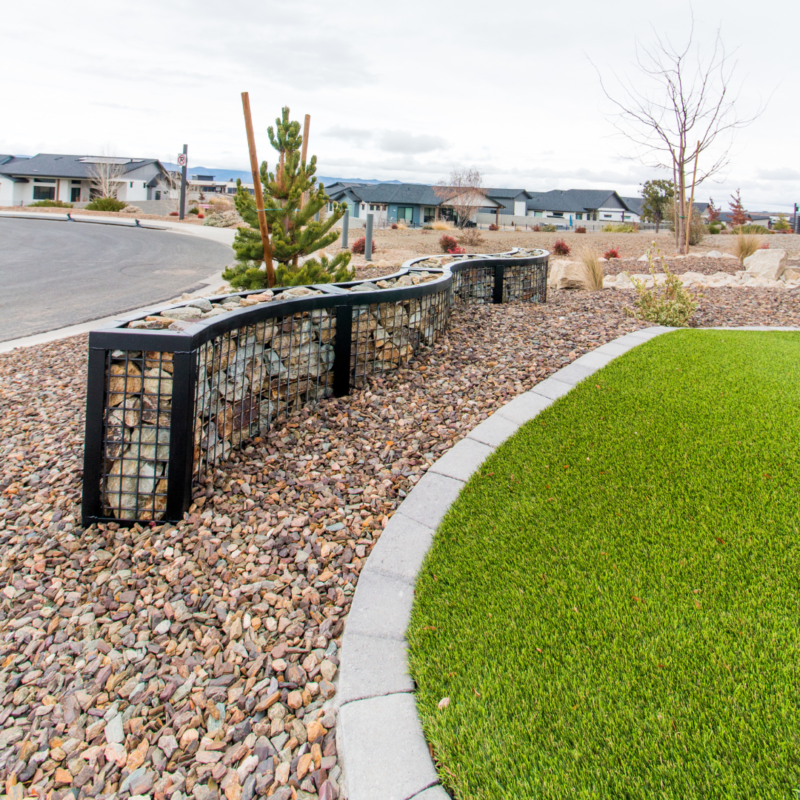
point(170, 395)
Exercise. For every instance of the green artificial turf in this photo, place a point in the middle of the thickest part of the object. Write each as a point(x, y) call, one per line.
point(612, 606)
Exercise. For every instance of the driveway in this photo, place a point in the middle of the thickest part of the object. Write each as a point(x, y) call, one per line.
point(55, 274)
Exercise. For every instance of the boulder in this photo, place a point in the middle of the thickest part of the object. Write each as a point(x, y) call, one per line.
point(792, 274)
point(567, 275)
point(132, 210)
point(768, 264)
point(714, 254)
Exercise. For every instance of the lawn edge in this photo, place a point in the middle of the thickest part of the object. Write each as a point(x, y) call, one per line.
point(380, 742)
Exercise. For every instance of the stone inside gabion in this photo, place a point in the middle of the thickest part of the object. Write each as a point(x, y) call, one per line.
point(248, 377)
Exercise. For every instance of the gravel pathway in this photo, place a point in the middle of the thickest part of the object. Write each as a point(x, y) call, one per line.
point(200, 659)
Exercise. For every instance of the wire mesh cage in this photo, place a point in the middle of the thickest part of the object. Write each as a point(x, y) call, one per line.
point(171, 395)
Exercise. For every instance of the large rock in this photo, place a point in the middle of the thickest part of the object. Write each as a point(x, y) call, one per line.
point(567, 275)
point(769, 264)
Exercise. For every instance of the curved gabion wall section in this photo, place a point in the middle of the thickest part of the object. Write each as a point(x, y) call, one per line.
point(171, 394)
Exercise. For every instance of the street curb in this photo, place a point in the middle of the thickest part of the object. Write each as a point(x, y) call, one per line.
point(380, 742)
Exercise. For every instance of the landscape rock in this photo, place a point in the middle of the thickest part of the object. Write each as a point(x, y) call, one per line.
point(567, 275)
point(767, 264)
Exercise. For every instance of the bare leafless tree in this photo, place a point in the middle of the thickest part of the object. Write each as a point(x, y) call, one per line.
point(105, 176)
point(463, 191)
point(679, 111)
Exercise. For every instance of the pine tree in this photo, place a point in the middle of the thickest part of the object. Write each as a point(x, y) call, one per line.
point(294, 232)
point(738, 214)
point(713, 211)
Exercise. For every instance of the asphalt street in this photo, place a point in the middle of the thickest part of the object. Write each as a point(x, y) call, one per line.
point(54, 274)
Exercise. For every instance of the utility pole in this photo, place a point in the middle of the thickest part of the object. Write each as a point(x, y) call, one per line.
point(183, 160)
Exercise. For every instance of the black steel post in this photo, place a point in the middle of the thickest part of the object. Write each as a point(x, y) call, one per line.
point(341, 351)
point(93, 455)
point(181, 435)
point(183, 184)
point(499, 277)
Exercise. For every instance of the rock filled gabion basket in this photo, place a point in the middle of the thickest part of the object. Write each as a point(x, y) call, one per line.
point(171, 394)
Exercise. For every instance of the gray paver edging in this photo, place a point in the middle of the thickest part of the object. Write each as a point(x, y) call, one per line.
point(381, 746)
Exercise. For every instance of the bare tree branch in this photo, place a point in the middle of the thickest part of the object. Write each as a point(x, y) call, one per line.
point(463, 191)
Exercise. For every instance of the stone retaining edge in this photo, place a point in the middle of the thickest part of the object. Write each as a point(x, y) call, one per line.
point(381, 746)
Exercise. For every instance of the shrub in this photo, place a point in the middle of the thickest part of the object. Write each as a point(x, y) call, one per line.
point(494, 227)
point(625, 227)
point(426, 228)
point(201, 215)
point(537, 228)
point(612, 253)
point(549, 228)
point(402, 226)
point(783, 225)
point(456, 251)
point(580, 229)
point(751, 229)
point(471, 237)
point(592, 267)
point(447, 243)
point(441, 225)
point(561, 248)
point(360, 246)
point(106, 204)
point(715, 228)
point(764, 246)
point(746, 245)
point(394, 226)
point(194, 210)
point(667, 304)
point(173, 213)
point(50, 204)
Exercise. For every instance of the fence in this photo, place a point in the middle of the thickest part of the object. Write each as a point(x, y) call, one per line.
point(171, 395)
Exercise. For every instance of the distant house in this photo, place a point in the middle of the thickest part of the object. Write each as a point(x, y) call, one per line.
point(414, 204)
point(511, 201)
point(576, 205)
point(48, 176)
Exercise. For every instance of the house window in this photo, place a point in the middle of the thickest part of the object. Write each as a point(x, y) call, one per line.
point(538, 213)
point(608, 216)
point(405, 213)
point(44, 192)
point(559, 214)
point(579, 216)
point(158, 195)
point(131, 184)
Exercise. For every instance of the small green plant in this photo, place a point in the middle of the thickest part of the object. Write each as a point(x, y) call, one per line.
point(194, 210)
point(782, 224)
point(548, 228)
point(620, 228)
point(50, 204)
point(759, 229)
point(714, 228)
point(106, 204)
point(666, 304)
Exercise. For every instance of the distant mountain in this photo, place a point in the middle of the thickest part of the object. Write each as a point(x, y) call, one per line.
point(222, 174)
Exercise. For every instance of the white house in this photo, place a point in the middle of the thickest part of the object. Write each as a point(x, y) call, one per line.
point(47, 176)
point(572, 206)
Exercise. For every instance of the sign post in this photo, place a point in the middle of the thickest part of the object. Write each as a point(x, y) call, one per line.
point(182, 162)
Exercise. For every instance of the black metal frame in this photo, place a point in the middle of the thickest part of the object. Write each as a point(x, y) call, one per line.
point(185, 345)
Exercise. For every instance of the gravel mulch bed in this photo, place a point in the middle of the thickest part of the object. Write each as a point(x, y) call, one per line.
point(200, 659)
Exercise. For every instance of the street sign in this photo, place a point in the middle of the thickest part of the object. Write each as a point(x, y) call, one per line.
point(181, 159)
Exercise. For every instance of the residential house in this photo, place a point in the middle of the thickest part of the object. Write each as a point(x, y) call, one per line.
point(511, 202)
point(415, 204)
point(571, 206)
point(48, 176)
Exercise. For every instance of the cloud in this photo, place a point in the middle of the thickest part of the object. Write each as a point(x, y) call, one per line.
point(781, 174)
point(403, 142)
point(353, 135)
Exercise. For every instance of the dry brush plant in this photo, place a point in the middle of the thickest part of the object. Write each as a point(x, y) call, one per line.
point(746, 244)
point(592, 267)
point(471, 237)
point(441, 225)
point(666, 304)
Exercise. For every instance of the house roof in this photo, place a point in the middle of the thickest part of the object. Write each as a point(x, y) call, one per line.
point(400, 193)
point(507, 194)
point(576, 200)
point(634, 204)
point(53, 165)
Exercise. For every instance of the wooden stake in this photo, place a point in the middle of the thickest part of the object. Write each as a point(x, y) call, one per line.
point(691, 202)
point(304, 153)
point(257, 188)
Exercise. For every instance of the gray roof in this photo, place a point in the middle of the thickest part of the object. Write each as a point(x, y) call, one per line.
point(508, 194)
point(634, 204)
point(4, 158)
point(576, 200)
point(52, 165)
point(400, 193)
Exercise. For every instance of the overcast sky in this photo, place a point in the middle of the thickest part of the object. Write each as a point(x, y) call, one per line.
point(399, 91)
